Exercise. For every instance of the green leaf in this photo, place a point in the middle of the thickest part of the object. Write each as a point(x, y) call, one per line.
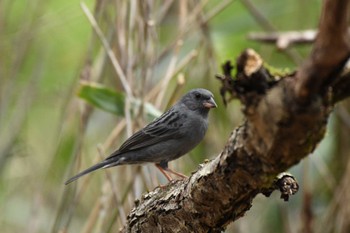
point(102, 98)
point(111, 101)
point(151, 111)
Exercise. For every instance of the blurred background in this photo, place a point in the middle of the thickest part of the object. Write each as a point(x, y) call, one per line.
point(77, 78)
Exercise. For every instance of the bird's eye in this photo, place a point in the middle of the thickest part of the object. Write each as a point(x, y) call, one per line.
point(197, 95)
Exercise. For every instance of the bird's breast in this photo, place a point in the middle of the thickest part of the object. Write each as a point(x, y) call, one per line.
point(194, 131)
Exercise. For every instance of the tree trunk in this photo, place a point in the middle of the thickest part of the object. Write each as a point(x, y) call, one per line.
point(286, 118)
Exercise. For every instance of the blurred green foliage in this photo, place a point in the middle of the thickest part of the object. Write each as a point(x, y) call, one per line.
point(103, 98)
point(47, 132)
point(111, 101)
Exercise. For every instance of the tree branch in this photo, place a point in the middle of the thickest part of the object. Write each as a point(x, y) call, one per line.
point(330, 52)
point(284, 39)
point(285, 119)
point(341, 87)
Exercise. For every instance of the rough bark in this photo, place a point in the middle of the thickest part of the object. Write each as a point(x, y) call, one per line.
point(285, 119)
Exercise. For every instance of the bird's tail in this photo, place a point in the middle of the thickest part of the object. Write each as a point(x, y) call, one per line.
point(102, 164)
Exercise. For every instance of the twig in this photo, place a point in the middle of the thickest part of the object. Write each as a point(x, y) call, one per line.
point(284, 39)
point(324, 171)
point(108, 49)
point(189, 25)
point(114, 189)
point(90, 222)
point(18, 118)
point(179, 85)
point(115, 64)
point(164, 9)
point(259, 17)
point(268, 26)
point(187, 59)
point(168, 75)
point(220, 7)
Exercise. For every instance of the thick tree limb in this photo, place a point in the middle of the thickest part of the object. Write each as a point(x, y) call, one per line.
point(330, 52)
point(341, 87)
point(285, 119)
point(276, 135)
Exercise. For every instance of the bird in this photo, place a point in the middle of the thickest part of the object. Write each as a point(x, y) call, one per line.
point(170, 136)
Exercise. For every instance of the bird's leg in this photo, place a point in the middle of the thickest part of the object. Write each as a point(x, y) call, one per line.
point(163, 167)
point(176, 173)
point(163, 171)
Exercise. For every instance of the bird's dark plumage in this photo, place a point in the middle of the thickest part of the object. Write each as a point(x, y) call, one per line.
point(173, 134)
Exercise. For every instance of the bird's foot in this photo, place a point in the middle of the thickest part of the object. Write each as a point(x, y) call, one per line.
point(176, 173)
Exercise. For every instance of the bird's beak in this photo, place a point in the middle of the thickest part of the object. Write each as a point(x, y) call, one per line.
point(210, 103)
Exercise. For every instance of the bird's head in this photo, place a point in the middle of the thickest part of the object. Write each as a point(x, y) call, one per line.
point(200, 100)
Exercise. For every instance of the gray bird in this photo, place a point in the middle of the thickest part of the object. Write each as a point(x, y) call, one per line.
point(173, 134)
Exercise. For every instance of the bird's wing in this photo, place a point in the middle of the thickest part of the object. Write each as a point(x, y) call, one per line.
point(167, 126)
